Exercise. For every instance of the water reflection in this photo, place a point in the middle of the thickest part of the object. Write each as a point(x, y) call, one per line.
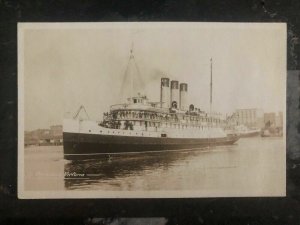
point(80, 173)
point(251, 167)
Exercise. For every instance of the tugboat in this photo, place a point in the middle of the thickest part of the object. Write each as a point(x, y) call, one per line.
point(140, 125)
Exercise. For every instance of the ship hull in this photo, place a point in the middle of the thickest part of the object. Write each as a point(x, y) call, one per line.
point(250, 134)
point(87, 146)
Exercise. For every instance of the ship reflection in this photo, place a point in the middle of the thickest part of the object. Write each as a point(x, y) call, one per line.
point(81, 173)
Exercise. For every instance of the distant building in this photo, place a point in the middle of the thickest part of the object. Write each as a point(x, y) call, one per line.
point(56, 133)
point(56, 130)
point(249, 117)
point(52, 136)
point(272, 120)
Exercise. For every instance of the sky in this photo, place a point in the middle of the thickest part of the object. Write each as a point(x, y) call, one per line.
point(66, 65)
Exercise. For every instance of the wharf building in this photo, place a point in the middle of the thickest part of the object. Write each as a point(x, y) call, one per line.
point(52, 136)
point(251, 118)
point(273, 120)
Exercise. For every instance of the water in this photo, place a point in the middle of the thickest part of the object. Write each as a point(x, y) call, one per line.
point(251, 167)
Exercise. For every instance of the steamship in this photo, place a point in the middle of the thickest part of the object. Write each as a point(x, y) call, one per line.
point(140, 125)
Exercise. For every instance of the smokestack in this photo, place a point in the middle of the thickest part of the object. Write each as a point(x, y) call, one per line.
point(183, 96)
point(174, 94)
point(165, 93)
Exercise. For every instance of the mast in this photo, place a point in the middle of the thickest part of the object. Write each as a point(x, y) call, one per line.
point(210, 102)
point(131, 77)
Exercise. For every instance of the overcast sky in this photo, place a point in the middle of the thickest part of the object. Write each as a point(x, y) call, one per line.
point(69, 65)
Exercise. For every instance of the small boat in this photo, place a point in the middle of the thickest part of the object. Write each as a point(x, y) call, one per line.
point(271, 132)
point(243, 131)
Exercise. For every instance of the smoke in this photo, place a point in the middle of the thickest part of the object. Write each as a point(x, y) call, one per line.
point(156, 74)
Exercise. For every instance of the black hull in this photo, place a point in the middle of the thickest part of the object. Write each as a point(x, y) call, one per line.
point(87, 146)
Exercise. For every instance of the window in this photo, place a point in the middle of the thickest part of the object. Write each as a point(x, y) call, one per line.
point(134, 100)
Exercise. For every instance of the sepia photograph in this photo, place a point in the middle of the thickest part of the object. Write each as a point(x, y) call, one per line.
point(151, 110)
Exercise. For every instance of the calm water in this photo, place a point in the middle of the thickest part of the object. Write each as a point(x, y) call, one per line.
point(253, 166)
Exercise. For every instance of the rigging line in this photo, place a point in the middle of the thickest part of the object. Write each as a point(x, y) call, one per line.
point(136, 66)
point(126, 73)
point(139, 73)
point(86, 112)
point(78, 112)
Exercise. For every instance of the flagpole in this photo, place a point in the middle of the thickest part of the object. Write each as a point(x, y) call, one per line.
point(210, 85)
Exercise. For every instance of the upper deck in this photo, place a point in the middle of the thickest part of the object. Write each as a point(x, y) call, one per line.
point(139, 110)
point(140, 103)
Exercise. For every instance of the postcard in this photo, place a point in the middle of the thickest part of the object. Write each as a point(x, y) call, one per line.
point(151, 110)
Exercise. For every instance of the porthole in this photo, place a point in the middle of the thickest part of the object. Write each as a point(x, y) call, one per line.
point(89, 130)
